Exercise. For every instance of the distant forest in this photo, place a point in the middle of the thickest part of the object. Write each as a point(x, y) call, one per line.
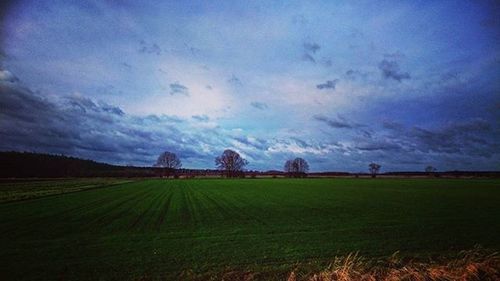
point(37, 165)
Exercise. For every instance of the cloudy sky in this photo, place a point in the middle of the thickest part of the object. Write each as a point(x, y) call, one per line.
point(340, 83)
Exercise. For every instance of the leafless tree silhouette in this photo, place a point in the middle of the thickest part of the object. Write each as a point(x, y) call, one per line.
point(169, 161)
point(297, 167)
point(231, 163)
point(430, 170)
point(374, 168)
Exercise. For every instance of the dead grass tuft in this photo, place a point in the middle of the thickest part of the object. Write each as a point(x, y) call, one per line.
point(473, 265)
point(468, 266)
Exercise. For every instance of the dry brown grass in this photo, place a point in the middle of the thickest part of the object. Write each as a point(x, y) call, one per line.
point(477, 264)
point(469, 265)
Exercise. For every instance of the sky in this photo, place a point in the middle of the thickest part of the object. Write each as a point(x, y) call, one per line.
point(405, 84)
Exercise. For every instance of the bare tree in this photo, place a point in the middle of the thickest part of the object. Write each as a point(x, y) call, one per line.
point(169, 162)
point(297, 167)
point(231, 163)
point(374, 168)
point(300, 165)
point(288, 168)
point(430, 170)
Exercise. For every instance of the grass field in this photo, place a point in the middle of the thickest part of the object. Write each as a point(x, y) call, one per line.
point(163, 228)
point(15, 190)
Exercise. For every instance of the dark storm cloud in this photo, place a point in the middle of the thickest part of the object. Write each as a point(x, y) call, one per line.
point(391, 70)
point(372, 145)
point(82, 103)
point(308, 57)
point(338, 123)
point(492, 18)
point(5, 8)
point(82, 127)
point(259, 144)
point(78, 126)
point(177, 88)
point(201, 118)
point(329, 84)
point(192, 50)
point(111, 109)
point(3, 55)
point(311, 47)
point(301, 143)
point(86, 105)
point(29, 121)
point(153, 118)
point(259, 105)
point(473, 137)
point(394, 56)
point(327, 62)
point(149, 48)
point(449, 77)
point(365, 133)
point(21, 104)
point(234, 80)
point(391, 125)
point(352, 74)
point(395, 149)
point(309, 51)
point(7, 76)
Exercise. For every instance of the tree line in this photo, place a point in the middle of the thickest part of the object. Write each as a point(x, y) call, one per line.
point(229, 164)
point(232, 165)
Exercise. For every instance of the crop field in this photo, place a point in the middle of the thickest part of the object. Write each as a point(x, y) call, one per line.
point(14, 190)
point(180, 229)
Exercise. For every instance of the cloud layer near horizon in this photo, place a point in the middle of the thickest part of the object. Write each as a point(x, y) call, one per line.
point(339, 85)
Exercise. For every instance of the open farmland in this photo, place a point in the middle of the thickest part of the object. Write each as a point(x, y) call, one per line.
point(163, 228)
point(14, 190)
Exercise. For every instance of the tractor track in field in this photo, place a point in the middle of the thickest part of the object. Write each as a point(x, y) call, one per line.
point(150, 207)
point(225, 211)
point(91, 205)
point(111, 205)
point(68, 215)
point(186, 210)
point(120, 214)
point(228, 208)
point(77, 189)
point(163, 212)
point(139, 218)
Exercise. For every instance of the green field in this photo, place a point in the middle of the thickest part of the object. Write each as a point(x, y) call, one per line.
point(15, 190)
point(162, 228)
